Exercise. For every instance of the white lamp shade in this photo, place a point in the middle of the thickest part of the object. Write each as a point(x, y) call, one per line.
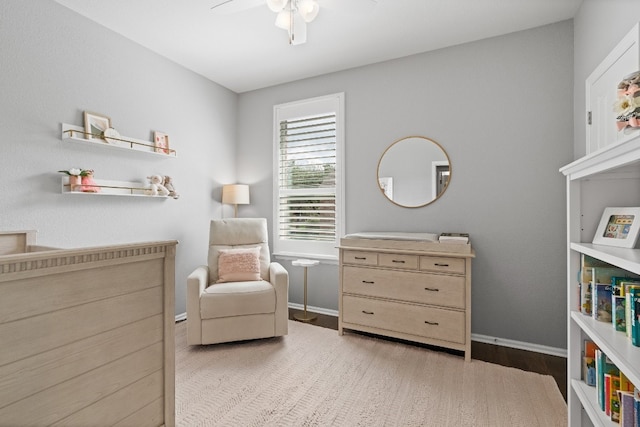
point(235, 194)
point(308, 9)
point(283, 19)
point(277, 5)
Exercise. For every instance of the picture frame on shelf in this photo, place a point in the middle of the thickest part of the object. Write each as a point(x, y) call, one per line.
point(95, 124)
point(618, 227)
point(161, 143)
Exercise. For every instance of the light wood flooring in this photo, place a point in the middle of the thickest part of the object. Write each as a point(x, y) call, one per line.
point(522, 359)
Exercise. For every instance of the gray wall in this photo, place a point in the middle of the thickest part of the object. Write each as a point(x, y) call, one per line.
point(56, 64)
point(501, 109)
point(498, 106)
point(599, 27)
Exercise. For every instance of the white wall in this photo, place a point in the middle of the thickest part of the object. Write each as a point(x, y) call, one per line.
point(56, 64)
point(599, 27)
point(502, 109)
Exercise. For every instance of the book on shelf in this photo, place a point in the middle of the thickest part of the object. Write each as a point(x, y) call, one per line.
point(634, 299)
point(636, 404)
point(618, 315)
point(601, 309)
point(454, 237)
point(625, 384)
point(614, 402)
point(627, 408)
point(604, 366)
point(589, 363)
point(589, 370)
point(626, 290)
point(585, 298)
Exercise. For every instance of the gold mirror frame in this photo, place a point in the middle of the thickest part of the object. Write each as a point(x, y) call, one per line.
point(434, 155)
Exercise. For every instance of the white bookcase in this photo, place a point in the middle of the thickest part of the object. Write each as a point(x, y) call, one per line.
point(608, 177)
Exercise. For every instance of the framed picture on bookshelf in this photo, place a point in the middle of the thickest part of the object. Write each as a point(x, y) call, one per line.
point(618, 227)
point(161, 142)
point(95, 124)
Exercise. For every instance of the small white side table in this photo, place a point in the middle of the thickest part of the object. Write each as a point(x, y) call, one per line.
point(306, 263)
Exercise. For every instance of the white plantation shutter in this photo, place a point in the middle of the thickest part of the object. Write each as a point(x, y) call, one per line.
point(307, 212)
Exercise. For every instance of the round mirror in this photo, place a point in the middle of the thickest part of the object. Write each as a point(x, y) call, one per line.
point(414, 171)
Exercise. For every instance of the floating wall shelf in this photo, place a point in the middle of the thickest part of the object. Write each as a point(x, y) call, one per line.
point(109, 188)
point(72, 133)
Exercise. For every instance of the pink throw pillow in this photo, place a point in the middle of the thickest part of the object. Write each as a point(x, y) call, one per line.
point(239, 265)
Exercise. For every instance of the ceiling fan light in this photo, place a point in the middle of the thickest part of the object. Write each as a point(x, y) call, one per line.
point(277, 5)
point(283, 19)
point(298, 33)
point(308, 9)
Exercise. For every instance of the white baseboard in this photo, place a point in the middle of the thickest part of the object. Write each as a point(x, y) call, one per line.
point(561, 352)
point(180, 317)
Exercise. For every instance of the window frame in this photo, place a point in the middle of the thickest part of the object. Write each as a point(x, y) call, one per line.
point(327, 251)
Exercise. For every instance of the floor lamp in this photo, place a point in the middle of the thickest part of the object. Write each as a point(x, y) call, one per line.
point(235, 194)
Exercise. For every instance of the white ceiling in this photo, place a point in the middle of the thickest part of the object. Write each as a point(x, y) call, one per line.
point(238, 46)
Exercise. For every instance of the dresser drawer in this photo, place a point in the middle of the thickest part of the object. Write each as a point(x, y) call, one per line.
point(362, 258)
point(409, 262)
point(429, 322)
point(442, 264)
point(424, 288)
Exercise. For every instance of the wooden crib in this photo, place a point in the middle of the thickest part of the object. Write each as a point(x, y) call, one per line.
point(86, 335)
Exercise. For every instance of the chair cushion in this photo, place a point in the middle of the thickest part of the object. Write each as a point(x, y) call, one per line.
point(238, 233)
point(237, 299)
point(238, 265)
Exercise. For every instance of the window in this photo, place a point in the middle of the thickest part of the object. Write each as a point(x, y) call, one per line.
point(308, 178)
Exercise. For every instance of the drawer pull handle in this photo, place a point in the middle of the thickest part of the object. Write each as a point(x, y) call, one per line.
point(437, 264)
point(431, 323)
point(361, 257)
point(367, 312)
point(432, 289)
point(367, 282)
point(399, 261)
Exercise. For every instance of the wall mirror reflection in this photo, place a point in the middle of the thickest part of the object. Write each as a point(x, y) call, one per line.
point(414, 171)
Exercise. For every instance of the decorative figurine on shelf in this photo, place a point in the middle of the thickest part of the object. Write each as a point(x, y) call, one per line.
point(627, 106)
point(156, 186)
point(88, 184)
point(168, 184)
point(75, 177)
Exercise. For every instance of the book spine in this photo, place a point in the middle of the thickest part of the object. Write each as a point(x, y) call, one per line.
point(607, 394)
point(627, 408)
point(585, 298)
point(600, 378)
point(615, 401)
point(635, 316)
point(636, 405)
point(626, 288)
point(617, 313)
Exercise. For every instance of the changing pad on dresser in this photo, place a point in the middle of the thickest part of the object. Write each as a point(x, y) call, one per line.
point(394, 235)
point(402, 240)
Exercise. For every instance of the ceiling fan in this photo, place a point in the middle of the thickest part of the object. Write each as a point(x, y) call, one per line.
point(292, 15)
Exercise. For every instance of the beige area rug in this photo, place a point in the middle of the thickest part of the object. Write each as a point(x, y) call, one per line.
point(314, 377)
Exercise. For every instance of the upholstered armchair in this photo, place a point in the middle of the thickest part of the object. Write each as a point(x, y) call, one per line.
point(240, 294)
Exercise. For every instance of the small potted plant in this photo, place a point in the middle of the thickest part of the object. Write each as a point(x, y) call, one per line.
point(75, 177)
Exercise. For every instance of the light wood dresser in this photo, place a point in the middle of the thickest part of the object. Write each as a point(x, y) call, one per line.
point(409, 289)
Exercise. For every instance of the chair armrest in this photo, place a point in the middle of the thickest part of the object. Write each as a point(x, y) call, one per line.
point(279, 278)
point(196, 284)
point(197, 281)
